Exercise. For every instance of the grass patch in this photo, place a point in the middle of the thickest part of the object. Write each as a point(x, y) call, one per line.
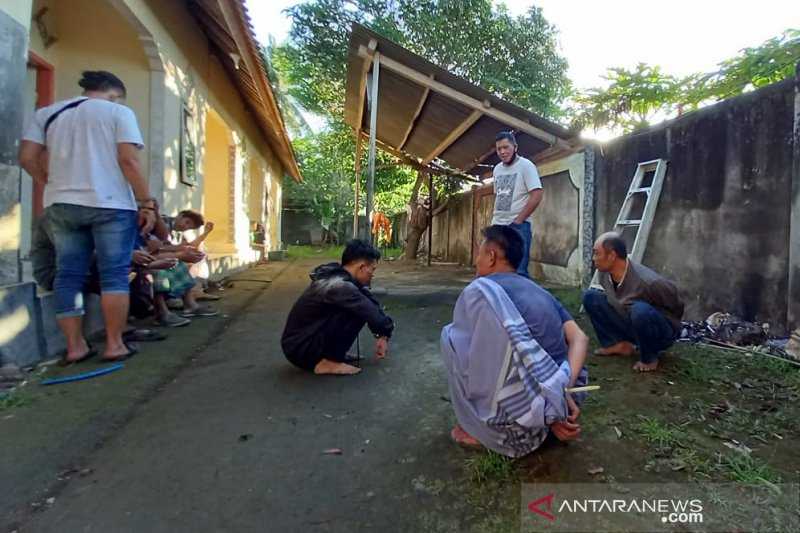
point(663, 436)
point(699, 366)
point(13, 400)
point(747, 469)
point(571, 299)
point(332, 253)
point(316, 252)
point(490, 466)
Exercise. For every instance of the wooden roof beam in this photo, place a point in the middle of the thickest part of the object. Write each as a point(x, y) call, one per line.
point(453, 136)
point(425, 81)
point(406, 159)
point(424, 98)
point(481, 159)
point(362, 80)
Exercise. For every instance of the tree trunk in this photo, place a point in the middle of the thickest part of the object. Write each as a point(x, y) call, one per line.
point(417, 221)
point(412, 243)
point(417, 224)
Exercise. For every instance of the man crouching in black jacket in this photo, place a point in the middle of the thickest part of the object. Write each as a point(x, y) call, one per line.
point(327, 317)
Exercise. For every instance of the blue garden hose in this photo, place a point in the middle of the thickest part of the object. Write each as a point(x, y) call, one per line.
point(85, 375)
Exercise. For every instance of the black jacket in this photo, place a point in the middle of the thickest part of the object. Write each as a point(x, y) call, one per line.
point(332, 293)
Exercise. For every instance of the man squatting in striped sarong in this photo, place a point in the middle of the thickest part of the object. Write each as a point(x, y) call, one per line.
point(510, 352)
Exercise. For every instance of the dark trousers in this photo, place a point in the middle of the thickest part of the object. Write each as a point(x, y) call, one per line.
point(331, 342)
point(526, 233)
point(646, 326)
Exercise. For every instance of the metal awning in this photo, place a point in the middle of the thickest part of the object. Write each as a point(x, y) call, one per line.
point(428, 114)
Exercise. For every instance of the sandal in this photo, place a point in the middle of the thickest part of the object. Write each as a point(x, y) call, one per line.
point(88, 355)
point(132, 350)
point(144, 335)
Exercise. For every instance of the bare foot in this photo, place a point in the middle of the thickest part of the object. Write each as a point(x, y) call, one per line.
point(462, 438)
point(326, 366)
point(623, 348)
point(646, 367)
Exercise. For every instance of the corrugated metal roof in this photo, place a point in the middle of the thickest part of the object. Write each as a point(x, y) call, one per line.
point(400, 96)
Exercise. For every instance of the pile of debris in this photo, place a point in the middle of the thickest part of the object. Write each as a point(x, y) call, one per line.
point(725, 330)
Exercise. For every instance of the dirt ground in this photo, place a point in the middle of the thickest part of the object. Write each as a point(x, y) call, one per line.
point(216, 432)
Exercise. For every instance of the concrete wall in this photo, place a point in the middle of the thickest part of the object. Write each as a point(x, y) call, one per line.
point(722, 226)
point(300, 227)
point(14, 24)
point(558, 239)
point(794, 235)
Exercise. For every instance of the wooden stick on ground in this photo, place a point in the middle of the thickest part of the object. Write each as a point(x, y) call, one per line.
point(585, 388)
point(733, 348)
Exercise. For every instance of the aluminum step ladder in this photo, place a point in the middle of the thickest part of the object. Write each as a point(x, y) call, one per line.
point(643, 224)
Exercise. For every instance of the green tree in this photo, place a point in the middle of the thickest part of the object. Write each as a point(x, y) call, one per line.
point(327, 161)
point(291, 110)
point(634, 97)
point(631, 99)
point(774, 60)
point(516, 58)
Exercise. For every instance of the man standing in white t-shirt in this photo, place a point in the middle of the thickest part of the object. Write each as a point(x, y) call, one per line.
point(85, 151)
point(518, 192)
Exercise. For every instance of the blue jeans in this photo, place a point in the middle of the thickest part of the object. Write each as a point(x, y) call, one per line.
point(645, 327)
point(524, 230)
point(80, 231)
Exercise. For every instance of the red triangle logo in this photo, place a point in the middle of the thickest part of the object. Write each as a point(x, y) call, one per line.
point(548, 501)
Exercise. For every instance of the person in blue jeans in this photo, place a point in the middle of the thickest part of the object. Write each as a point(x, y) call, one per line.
point(518, 192)
point(637, 306)
point(85, 151)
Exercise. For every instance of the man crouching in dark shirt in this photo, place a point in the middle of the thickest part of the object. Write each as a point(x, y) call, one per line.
point(327, 317)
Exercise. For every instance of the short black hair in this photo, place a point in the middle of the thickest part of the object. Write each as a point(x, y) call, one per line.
point(507, 135)
point(357, 250)
point(617, 245)
point(196, 218)
point(507, 239)
point(101, 80)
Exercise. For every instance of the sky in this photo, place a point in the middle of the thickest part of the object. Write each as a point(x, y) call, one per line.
point(682, 36)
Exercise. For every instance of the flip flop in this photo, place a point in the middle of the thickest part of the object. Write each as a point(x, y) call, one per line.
point(123, 357)
point(144, 335)
point(88, 355)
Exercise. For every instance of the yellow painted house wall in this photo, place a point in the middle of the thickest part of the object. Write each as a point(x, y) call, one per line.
point(195, 75)
point(84, 31)
point(167, 63)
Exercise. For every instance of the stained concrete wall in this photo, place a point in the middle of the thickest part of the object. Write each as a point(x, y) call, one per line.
point(556, 252)
point(793, 300)
point(721, 230)
point(300, 227)
point(13, 43)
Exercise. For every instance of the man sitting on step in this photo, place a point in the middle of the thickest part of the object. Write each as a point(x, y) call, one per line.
point(637, 307)
point(326, 319)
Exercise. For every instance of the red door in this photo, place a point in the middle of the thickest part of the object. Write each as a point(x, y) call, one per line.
point(45, 95)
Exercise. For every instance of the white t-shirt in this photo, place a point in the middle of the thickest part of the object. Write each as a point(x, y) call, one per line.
point(512, 183)
point(82, 150)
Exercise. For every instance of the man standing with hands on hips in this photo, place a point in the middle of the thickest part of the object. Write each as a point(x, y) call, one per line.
point(518, 192)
